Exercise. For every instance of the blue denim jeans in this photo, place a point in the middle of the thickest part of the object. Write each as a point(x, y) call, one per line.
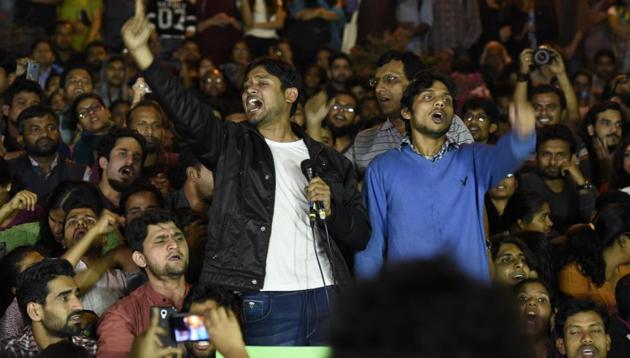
point(287, 318)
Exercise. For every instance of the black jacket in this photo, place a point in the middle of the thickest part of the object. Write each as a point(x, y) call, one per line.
point(243, 201)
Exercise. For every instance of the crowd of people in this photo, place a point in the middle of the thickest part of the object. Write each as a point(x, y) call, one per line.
point(445, 178)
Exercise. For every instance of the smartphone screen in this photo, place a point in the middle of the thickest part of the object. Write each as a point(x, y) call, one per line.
point(188, 328)
point(32, 71)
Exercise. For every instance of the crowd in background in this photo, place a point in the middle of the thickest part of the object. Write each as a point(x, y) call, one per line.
point(98, 169)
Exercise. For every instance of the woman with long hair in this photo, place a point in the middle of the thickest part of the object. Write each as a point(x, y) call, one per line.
point(597, 256)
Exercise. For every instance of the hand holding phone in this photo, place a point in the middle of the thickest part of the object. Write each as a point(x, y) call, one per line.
point(32, 71)
point(146, 345)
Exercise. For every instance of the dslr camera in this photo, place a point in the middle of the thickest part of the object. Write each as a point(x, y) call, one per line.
point(542, 56)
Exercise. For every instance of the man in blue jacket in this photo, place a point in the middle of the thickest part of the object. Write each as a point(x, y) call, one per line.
point(426, 198)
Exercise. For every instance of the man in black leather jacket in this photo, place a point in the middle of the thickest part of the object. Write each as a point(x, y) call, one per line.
point(260, 240)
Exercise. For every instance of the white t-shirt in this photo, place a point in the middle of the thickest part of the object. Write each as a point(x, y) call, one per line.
point(108, 290)
point(259, 14)
point(291, 260)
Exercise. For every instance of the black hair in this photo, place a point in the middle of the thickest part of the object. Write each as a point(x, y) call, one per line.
point(64, 348)
point(288, 75)
point(7, 63)
point(119, 102)
point(146, 103)
point(605, 53)
point(9, 272)
point(596, 109)
point(543, 262)
point(553, 299)
point(23, 85)
point(39, 41)
point(574, 306)
point(205, 291)
point(556, 132)
point(485, 104)
point(544, 89)
point(347, 93)
point(95, 43)
point(586, 245)
point(32, 283)
point(87, 197)
point(522, 205)
point(337, 56)
point(81, 98)
point(137, 229)
point(394, 316)
point(109, 140)
point(36, 111)
point(583, 72)
point(412, 64)
point(496, 247)
point(139, 188)
point(59, 198)
point(620, 178)
point(60, 23)
point(622, 295)
point(423, 81)
point(74, 66)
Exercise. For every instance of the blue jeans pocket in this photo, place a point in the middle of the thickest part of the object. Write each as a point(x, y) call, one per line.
point(256, 308)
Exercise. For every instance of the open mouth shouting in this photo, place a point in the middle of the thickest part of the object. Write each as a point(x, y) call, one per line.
point(438, 116)
point(126, 172)
point(543, 120)
point(253, 104)
point(588, 351)
point(176, 257)
point(518, 276)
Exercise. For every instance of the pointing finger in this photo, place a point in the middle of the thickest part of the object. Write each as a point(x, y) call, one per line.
point(139, 8)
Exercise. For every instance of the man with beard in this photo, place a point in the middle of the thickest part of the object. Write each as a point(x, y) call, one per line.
point(422, 196)
point(261, 240)
point(20, 95)
point(113, 81)
point(602, 130)
point(196, 193)
point(120, 156)
point(41, 169)
point(148, 119)
point(394, 71)
point(48, 298)
point(160, 248)
point(341, 119)
point(559, 180)
point(582, 330)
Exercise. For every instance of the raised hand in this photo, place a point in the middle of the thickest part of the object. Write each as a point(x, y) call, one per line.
point(107, 223)
point(225, 331)
point(24, 200)
point(149, 345)
point(522, 118)
point(135, 34)
point(526, 60)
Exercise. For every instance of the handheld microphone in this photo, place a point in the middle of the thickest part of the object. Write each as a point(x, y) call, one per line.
point(315, 208)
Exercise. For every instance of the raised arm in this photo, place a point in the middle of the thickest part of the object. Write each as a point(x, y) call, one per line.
point(195, 119)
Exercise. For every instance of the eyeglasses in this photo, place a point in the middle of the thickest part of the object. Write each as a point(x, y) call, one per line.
point(480, 117)
point(93, 109)
point(387, 80)
point(217, 80)
point(75, 220)
point(341, 107)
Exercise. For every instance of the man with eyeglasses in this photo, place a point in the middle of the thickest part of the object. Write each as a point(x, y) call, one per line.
point(395, 70)
point(341, 120)
point(425, 198)
point(75, 80)
point(42, 168)
point(481, 116)
point(94, 120)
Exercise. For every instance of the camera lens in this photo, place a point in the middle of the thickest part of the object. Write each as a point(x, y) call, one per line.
point(542, 56)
